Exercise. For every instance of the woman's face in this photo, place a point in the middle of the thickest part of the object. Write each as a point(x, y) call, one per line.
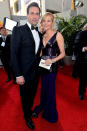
point(47, 23)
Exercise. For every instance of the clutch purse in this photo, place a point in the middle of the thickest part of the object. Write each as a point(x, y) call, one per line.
point(43, 65)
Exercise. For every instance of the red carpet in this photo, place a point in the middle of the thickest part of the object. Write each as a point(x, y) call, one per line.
point(72, 111)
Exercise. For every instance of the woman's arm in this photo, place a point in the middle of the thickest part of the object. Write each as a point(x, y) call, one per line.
point(60, 42)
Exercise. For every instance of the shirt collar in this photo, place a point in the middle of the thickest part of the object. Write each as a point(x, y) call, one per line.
point(29, 25)
point(3, 37)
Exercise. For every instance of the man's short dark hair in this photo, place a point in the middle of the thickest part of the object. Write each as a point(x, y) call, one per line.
point(2, 28)
point(33, 4)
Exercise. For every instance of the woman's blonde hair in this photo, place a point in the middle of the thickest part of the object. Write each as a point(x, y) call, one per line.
point(43, 18)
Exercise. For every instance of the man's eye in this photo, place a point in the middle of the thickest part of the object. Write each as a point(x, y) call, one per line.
point(31, 13)
point(37, 13)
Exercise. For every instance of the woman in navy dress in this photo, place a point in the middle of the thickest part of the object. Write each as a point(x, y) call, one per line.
point(52, 52)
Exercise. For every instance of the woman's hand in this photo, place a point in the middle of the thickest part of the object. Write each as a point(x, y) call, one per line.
point(48, 61)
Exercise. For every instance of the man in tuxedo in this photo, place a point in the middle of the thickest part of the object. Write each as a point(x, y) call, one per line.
point(5, 51)
point(82, 61)
point(25, 54)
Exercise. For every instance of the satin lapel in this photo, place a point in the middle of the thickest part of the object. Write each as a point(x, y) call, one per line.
point(39, 48)
point(40, 35)
point(30, 33)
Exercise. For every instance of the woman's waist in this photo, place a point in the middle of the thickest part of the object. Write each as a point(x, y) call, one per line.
point(45, 57)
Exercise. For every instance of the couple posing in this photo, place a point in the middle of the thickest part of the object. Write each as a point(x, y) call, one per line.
point(27, 46)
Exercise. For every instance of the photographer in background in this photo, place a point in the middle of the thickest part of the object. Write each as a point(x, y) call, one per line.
point(81, 60)
point(5, 52)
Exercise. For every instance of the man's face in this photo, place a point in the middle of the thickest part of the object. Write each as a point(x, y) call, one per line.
point(3, 32)
point(33, 15)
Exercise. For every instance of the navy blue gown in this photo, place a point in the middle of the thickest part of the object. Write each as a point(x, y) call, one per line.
point(48, 97)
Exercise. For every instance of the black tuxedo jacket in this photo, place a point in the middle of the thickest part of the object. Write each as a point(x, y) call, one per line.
point(81, 42)
point(5, 51)
point(23, 57)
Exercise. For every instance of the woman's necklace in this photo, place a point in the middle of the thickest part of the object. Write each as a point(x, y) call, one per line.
point(45, 39)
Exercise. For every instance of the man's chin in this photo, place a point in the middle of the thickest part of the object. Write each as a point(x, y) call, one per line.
point(34, 24)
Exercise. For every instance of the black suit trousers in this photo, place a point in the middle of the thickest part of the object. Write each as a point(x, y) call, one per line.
point(83, 78)
point(27, 93)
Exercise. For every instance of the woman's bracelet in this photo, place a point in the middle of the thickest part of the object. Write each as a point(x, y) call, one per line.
point(52, 61)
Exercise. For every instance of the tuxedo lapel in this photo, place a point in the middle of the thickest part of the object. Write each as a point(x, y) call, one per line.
point(30, 33)
point(40, 44)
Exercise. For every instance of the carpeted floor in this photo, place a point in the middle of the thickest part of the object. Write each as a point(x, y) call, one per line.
point(72, 111)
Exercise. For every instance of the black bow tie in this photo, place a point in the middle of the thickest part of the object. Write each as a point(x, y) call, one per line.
point(34, 28)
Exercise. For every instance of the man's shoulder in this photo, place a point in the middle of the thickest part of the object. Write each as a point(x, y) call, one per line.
point(84, 34)
point(20, 27)
point(85, 31)
point(0, 38)
point(78, 34)
point(8, 37)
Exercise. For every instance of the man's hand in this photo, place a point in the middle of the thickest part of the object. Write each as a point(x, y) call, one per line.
point(20, 80)
point(85, 48)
